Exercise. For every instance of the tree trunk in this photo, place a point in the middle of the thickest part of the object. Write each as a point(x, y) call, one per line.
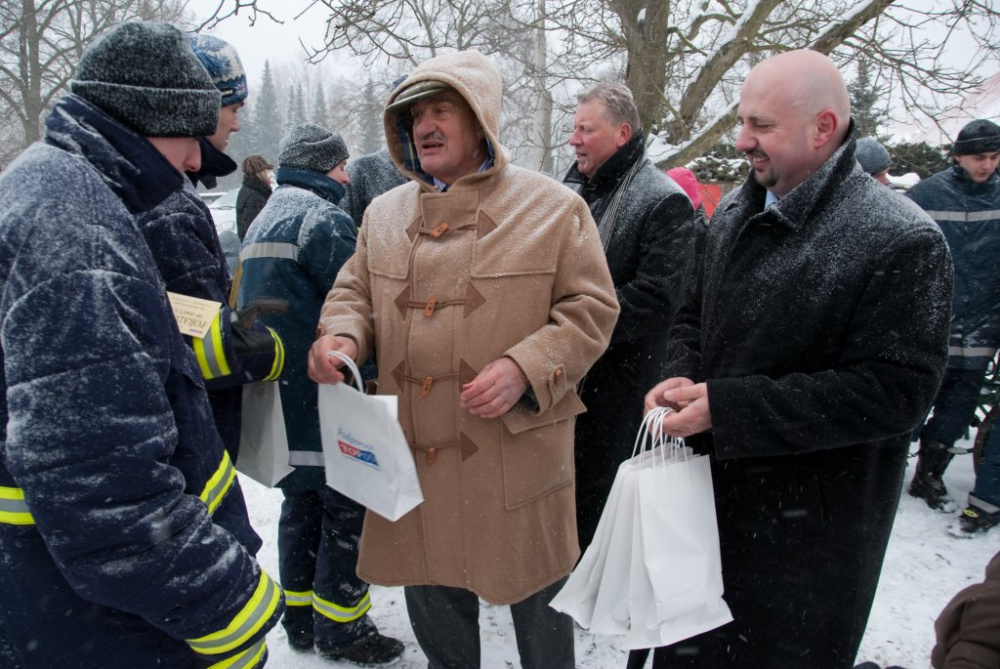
point(646, 41)
point(542, 118)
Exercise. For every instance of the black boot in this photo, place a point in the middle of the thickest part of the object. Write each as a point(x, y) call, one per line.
point(927, 484)
point(372, 650)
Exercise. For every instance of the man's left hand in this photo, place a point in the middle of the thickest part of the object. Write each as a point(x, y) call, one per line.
point(495, 389)
point(694, 416)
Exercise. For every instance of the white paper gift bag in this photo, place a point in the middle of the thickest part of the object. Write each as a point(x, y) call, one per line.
point(661, 580)
point(364, 448)
point(263, 454)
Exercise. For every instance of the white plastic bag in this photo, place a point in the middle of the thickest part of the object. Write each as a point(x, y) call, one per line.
point(263, 454)
point(364, 448)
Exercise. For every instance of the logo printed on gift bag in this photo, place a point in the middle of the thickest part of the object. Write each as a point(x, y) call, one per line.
point(356, 449)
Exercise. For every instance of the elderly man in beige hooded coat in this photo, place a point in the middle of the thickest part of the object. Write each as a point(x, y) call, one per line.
point(484, 291)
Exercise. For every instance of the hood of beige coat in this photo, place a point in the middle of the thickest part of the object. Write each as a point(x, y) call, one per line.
point(476, 79)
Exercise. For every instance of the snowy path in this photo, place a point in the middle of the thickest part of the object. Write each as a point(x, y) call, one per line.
point(924, 568)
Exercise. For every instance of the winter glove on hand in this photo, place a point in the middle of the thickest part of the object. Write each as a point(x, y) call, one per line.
point(250, 341)
point(247, 341)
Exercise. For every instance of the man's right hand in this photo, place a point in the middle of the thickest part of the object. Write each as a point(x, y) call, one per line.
point(325, 368)
point(655, 398)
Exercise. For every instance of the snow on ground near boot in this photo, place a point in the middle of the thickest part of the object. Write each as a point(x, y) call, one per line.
point(924, 568)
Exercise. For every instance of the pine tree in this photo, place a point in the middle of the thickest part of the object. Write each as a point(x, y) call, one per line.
point(267, 125)
point(868, 100)
point(296, 108)
point(320, 113)
point(371, 131)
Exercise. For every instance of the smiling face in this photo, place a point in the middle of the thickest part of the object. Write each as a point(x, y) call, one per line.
point(794, 111)
point(775, 139)
point(595, 138)
point(449, 140)
point(979, 166)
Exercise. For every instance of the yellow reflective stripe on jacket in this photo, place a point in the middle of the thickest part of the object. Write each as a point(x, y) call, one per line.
point(279, 357)
point(210, 353)
point(13, 508)
point(244, 660)
point(339, 613)
point(217, 486)
point(298, 598)
point(246, 624)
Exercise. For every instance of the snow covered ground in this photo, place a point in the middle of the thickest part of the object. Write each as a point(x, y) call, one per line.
point(924, 568)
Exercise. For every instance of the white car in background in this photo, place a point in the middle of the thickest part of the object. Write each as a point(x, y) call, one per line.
point(223, 211)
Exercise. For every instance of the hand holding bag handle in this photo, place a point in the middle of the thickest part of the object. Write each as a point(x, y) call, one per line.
point(351, 365)
point(365, 452)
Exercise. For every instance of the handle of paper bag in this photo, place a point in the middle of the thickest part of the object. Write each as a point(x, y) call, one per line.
point(652, 429)
point(350, 365)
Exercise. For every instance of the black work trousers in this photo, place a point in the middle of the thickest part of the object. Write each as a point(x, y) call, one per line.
point(446, 623)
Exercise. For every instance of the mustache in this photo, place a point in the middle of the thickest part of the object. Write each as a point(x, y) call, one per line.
point(435, 136)
point(756, 153)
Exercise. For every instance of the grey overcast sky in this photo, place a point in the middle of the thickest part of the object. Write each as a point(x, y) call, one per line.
point(267, 40)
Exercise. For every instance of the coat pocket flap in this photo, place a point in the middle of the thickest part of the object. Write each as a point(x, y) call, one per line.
point(519, 419)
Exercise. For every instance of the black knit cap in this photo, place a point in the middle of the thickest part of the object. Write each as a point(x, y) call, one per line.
point(312, 147)
point(146, 76)
point(980, 136)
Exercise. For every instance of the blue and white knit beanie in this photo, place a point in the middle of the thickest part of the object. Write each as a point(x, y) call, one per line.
point(146, 76)
point(979, 136)
point(223, 65)
point(312, 147)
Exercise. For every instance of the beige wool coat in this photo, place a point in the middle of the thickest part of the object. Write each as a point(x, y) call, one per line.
point(507, 262)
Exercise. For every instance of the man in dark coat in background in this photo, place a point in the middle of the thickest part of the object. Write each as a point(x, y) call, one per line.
point(964, 201)
point(808, 349)
point(189, 255)
point(124, 535)
point(648, 233)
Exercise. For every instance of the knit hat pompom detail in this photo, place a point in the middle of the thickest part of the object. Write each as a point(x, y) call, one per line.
point(223, 65)
point(146, 76)
point(312, 147)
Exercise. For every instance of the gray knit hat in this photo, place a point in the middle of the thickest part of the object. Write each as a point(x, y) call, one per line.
point(146, 76)
point(980, 136)
point(872, 156)
point(312, 147)
point(223, 65)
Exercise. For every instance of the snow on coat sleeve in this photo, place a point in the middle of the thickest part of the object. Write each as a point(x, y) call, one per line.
point(326, 240)
point(189, 256)
point(582, 316)
point(882, 381)
point(91, 357)
point(650, 299)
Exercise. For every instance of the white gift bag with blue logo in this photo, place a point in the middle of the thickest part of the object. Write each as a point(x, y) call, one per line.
point(364, 448)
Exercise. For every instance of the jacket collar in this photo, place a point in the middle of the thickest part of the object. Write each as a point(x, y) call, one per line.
point(612, 171)
point(214, 164)
point(130, 166)
point(256, 184)
point(315, 182)
point(798, 207)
